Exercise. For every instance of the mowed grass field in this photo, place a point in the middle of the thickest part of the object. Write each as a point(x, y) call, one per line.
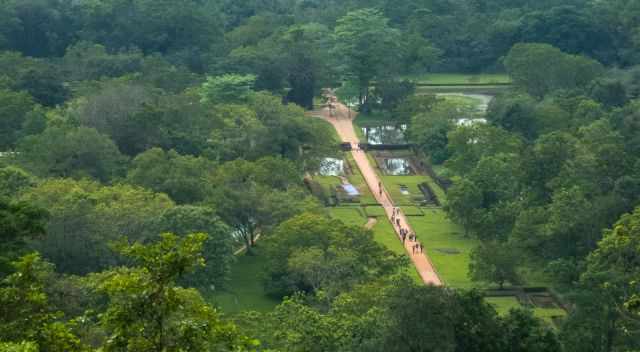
point(461, 78)
point(446, 245)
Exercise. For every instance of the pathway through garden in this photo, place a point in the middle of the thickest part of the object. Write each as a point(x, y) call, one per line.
point(341, 118)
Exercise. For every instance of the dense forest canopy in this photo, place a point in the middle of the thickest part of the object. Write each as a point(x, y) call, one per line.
point(154, 154)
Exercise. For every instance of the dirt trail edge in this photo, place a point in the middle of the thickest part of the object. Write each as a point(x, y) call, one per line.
point(338, 116)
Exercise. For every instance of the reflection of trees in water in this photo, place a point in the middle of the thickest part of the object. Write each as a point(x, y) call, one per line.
point(388, 134)
point(331, 167)
point(397, 166)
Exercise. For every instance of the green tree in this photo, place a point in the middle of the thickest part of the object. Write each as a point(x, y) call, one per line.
point(468, 144)
point(312, 253)
point(464, 198)
point(77, 152)
point(495, 263)
point(306, 62)
point(181, 177)
point(525, 333)
point(366, 47)
point(429, 130)
point(25, 313)
point(229, 88)
point(19, 222)
point(14, 107)
point(147, 311)
point(14, 181)
point(115, 110)
point(542, 68)
point(426, 310)
point(86, 217)
point(251, 199)
point(611, 277)
point(217, 250)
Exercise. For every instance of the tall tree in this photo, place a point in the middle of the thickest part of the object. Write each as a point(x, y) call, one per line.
point(366, 47)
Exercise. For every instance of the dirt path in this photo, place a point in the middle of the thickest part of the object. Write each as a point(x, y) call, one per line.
point(340, 120)
point(371, 222)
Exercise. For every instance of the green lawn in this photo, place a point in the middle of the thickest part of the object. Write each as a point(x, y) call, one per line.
point(245, 288)
point(461, 78)
point(375, 118)
point(468, 89)
point(376, 211)
point(350, 215)
point(447, 247)
point(410, 210)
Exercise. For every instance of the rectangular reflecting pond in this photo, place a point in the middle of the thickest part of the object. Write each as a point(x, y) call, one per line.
point(397, 167)
point(386, 134)
point(331, 167)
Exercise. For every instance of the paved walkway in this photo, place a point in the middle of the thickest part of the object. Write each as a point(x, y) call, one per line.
point(339, 118)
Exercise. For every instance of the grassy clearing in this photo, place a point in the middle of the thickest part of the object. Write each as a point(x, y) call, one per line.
point(246, 291)
point(461, 78)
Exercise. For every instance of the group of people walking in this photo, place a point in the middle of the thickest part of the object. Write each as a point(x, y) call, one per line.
point(405, 234)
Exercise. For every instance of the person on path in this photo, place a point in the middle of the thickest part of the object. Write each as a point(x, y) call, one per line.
point(398, 222)
point(421, 248)
point(404, 239)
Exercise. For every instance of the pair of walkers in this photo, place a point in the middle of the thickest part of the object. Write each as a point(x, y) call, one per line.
point(418, 248)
